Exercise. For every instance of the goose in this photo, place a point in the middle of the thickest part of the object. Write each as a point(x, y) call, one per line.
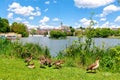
point(45, 61)
point(48, 62)
point(42, 60)
point(27, 60)
point(31, 66)
point(94, 66)
point(58, 63)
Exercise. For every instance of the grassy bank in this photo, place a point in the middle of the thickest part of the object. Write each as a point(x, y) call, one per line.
point(118, 37)
point(15, 69)
point(19, 50)
point(77, 57)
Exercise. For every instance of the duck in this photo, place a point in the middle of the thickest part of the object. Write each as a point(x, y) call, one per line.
point(93, 66)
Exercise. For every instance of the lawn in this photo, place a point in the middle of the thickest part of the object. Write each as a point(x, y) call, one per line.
point(15, 69)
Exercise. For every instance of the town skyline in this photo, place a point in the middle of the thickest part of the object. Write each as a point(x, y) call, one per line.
point(50, 13)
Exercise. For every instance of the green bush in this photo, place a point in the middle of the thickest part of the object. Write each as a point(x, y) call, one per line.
point(57, 34)
point(86, 52)
point(17, 49)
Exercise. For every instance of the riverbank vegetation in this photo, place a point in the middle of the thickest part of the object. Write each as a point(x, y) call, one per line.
point(58, 34)
point(19, 28)
point(19, 50)
point(102, 32)
point(15, 69)
point(81, 54)
point(22, 29)
point(77, 57)
point(98, 32)
point(16, 27)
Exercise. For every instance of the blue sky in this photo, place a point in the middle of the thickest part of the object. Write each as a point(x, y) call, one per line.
point(50, 13)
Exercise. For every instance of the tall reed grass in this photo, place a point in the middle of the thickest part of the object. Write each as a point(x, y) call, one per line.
point(17, 49)
point(81, 54)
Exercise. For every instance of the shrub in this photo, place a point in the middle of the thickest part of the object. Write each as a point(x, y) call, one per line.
point(57, 34)
point(86, 52)
point(19, 50)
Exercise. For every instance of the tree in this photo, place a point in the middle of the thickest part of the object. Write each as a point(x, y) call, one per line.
point(20, 28)
point(33, 31)
point(105, 32)
point(89, 31)
point(4, 25)
point(72, 30)
point(57, 34)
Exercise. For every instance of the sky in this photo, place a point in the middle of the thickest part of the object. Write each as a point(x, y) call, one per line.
point(50, 13)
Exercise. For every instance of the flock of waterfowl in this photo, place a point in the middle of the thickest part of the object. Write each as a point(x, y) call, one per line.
point(45, 61)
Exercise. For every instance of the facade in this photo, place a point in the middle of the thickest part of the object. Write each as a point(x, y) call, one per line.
point(11, 36)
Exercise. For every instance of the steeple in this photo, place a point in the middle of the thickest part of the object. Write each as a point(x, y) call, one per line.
point(61, 24)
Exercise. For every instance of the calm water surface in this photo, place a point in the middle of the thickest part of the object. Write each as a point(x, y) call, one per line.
point(55, 45)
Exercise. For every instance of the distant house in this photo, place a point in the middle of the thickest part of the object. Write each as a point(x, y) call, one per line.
point(115, 28)
point(41, 31)
point(65, 28)
point(11, 36)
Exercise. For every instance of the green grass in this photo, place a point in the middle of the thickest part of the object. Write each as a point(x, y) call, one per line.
point(15, 69)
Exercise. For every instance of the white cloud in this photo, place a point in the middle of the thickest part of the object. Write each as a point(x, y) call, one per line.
point(24, 10)
point(31, 17)
point(56, 19)
point(85, 22)
point(18, 19)
point(46, 10)
point(103, 19)
point(109, 9)
point(44, 20)
point(117, 19)
point(10, 16)
point(31, 26)
point(26, 22)
point(46, 26)
point(91, 3)
point(47, 2)
point(106, 24)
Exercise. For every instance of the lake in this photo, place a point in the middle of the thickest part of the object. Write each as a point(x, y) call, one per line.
point(56, 45)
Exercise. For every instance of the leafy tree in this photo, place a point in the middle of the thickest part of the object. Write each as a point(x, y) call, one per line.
point(4, 25)
point(33, 31)
point(79, 33)
point(105, 32)
point(116, 32)
point(97, 32)
point(57, 34)
point(82, 28)
point(72, 30)
point(20, 29)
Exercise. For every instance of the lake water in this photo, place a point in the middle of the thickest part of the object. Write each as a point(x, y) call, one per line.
point(56, 45)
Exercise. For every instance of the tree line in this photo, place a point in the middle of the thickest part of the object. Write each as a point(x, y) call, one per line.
point(102, 32)
point(21, 28)
point(16, 27)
